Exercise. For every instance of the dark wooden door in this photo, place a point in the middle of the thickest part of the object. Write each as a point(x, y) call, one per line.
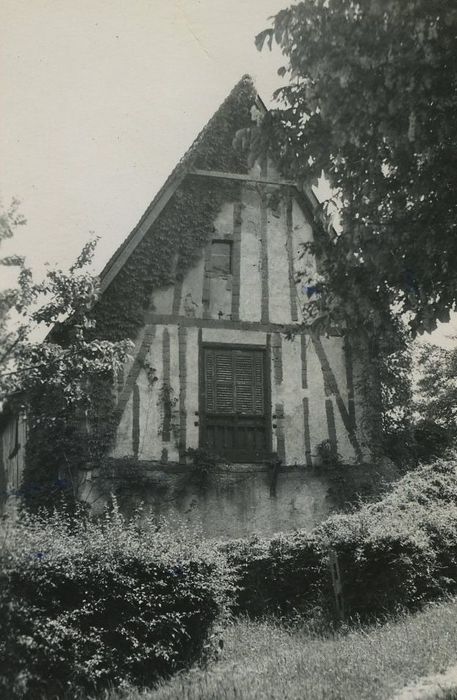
point(233, 411)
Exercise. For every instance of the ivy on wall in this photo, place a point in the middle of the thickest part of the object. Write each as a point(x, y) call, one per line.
point(178, 236)
point(173, 245)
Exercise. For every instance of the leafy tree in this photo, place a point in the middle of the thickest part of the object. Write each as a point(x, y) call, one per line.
point(11, 338)
point(59, 382)
point(395, 370)
point(436, 389)
point(371, 101)
point(423, 424)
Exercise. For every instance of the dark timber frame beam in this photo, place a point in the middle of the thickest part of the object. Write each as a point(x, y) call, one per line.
point(241, 177)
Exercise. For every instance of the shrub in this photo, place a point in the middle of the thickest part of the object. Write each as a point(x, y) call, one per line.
point(403, 549)
point(89, 603)
point(395, 553)
point(423, 441)
point(432, 440)
point(280, 575)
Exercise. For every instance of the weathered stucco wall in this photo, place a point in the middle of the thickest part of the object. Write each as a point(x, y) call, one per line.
point(13, 435)
point(241, 502)
point(228, 501)
point(311, 388)
point(305, 414)
point(312, 391)
point(267, 235)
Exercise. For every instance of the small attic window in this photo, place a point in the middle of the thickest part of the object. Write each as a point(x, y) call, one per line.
point(221, 258)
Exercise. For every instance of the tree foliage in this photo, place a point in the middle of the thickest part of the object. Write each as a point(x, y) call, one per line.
point(437, 386)
point(420, 391)
point(61, 301)
point(53, 381)
point(395, 371)
point(88, 604)
point(371, 101)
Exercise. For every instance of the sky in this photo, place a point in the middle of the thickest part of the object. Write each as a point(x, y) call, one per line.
point(100, 98)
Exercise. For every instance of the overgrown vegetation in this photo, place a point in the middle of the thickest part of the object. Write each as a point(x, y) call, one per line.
point(267, 659)
point(370, 101)
point(396, 553)
point(90, 603)
point(52, 382)
point(85, 603)
point(419, 398)
point(437, 386)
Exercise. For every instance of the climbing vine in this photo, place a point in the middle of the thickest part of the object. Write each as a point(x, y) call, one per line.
point(172, 246)
point(166, 404)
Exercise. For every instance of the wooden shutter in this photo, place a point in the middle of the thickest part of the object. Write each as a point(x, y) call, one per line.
point(220, 394)
point(234, 381)
point(249, 390)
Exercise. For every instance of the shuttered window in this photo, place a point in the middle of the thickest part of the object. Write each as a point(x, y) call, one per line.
point(221, 258)
point(234, 416)
point(234, 381)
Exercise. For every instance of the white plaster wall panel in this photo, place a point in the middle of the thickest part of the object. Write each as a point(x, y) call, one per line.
point(223, 225)
point(317, 414)
point(277, 397)
point(233, 337)
point(272, 171)
point(274, 393)
point(334, 351)
point(344, 446)
point(250, 286)
point(12, 463)
point(19, 459)
point(293, 402)
point(301, 228)
point(192, 388)
point(256, 170)
point(220, 305)
point(123, 445)
point(192, 291)
point(162, 300)
point(278, 268)
point(22, 437)
point(173, 445)
point(302, 232)
point(13, 452)
point(129, 362)
point(150, 442)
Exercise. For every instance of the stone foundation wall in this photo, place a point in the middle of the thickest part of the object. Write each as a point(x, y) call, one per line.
point(231, 501)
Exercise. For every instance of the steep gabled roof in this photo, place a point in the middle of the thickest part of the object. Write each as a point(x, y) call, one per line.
point(243, 89)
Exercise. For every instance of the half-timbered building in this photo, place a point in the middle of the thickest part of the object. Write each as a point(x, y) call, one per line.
point(213, 379)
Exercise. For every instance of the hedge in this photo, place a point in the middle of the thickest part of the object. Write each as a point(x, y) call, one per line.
point(284, 574)
point(89, 604)
point(396, 553)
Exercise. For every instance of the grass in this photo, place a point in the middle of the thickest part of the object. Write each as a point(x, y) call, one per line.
point(265, 660)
